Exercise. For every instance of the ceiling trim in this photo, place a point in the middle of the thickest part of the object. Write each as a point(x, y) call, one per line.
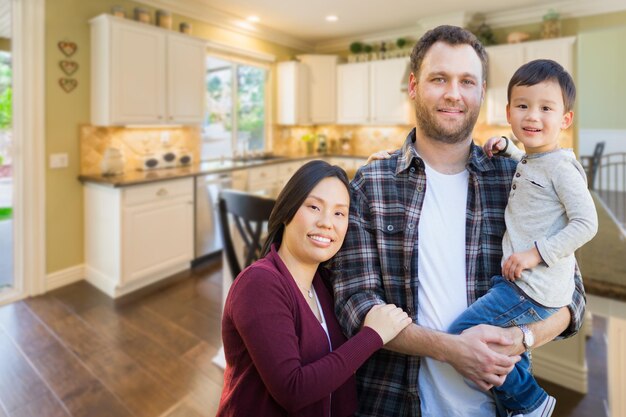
point(196, 10)
point(567, 8)
point(222, 47)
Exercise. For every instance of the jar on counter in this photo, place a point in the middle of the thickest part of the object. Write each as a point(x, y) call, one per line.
point(142, 15)
point(164, 19)
point(185, 28)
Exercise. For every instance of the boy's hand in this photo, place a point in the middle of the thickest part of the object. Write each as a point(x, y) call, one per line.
point(496, 143)
point(379, 155)
point(516, 263)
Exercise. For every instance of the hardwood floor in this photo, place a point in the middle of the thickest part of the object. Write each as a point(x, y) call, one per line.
point(75, 352)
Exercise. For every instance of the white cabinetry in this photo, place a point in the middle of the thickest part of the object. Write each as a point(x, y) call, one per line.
point(306, 90)
point(370, 93)
point(504, 60)
point(141, 74)
point(137, 235)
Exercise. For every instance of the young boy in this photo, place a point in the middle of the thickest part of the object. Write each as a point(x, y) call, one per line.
point(549, 215)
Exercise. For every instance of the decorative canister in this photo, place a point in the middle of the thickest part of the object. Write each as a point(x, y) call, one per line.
point(551, 25)
point(112, 162)
point(118, 11)
point(164, 19)
point(142, 15)
point(185, 28)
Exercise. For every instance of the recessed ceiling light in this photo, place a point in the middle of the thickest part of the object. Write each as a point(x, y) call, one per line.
point(331, 18)
point(253, 19)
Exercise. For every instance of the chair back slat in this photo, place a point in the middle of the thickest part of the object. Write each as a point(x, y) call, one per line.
point(249, 214)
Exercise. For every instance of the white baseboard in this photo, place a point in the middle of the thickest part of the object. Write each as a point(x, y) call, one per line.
point(561, 372)
point(65, 277)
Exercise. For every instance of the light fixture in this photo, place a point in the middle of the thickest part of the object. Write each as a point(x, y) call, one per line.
point(253, 19)
point(331, 18)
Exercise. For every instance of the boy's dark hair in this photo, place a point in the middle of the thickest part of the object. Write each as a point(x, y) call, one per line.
point(452, 35)
point(540, 70)
point(293, 195)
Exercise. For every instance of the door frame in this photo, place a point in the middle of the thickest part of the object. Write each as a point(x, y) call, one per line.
point(28, 47)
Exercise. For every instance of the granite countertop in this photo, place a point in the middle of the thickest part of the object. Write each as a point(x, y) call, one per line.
point(204, 168)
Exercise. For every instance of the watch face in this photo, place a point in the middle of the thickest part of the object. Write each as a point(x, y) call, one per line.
point(530, 337)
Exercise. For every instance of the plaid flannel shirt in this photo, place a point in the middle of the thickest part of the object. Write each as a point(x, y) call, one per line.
point(378, 260)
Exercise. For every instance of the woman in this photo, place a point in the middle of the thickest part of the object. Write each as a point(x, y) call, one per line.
point(285, 352)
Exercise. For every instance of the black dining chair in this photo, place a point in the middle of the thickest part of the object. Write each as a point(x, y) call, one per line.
point(247, 214)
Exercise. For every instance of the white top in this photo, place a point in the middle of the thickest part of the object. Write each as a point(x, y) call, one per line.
point(323, 322)
point(442, 294)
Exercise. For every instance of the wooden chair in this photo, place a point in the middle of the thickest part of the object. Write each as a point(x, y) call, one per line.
point(246, 213)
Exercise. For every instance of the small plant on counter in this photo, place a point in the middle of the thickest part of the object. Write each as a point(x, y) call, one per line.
point(401, 43)
point(356, 47)
point(309, 141)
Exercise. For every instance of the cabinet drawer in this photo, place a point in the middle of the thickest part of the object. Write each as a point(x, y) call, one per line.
point(286, 170)
point(262, 175)
point(158, 191)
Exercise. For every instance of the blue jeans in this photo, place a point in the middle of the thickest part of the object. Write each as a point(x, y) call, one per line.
point(506, 305)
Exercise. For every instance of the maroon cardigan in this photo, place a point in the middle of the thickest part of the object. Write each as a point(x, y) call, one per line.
point(277, 354)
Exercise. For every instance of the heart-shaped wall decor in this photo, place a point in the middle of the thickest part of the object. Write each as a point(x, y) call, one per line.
point(68, 67)
point(68, 84)
point(68, 48)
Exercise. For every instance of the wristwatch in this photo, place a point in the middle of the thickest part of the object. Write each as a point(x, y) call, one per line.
point(529, 338)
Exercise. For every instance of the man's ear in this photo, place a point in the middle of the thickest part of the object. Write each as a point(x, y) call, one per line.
point(567, 120)
point(412, 86)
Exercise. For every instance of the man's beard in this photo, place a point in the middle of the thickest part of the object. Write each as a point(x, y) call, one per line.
point(430, 127)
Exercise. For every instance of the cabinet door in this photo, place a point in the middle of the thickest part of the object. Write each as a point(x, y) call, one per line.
point(389, 104)
point(293, 93)
point(137, 74)
point(559, 50)
point(186, 63)
point(322, 71)
point(504, 60)
point(353, 93)
point(156, 236)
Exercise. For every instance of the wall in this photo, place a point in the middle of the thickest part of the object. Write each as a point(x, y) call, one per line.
point(66, 112)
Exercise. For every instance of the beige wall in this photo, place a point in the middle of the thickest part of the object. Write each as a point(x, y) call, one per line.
point(65, 112)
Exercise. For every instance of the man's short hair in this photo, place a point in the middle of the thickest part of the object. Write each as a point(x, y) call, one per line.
point(540, 70)
point(452, 35)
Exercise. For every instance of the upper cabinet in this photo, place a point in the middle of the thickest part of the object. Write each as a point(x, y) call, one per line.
point(504, 60)
point(370, 93)
point(142, 74)
point(306, 90)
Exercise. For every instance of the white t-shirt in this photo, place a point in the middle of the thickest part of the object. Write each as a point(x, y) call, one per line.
point(443, 296)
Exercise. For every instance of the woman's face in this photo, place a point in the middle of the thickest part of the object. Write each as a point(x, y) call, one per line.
point(316, 232)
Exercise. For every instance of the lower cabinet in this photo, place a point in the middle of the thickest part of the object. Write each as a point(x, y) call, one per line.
point(137, 235)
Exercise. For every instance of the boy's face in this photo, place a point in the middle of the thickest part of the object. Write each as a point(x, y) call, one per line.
point(537, 115)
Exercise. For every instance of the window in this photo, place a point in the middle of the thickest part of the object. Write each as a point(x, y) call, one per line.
point(237, 119)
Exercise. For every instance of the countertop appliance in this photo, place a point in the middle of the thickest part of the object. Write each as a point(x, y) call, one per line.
point(208, 236)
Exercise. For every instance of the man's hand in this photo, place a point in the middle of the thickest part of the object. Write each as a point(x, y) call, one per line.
point(470, 355)
point(516, 263)
point(494, 145)
point(377, 156)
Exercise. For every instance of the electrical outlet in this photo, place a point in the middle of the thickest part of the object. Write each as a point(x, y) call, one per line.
point(58, 160)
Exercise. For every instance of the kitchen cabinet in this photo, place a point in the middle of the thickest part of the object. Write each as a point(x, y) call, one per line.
point(142, 74)
point(370, 93)
point(137, 235)
point(306, 90)
point(504, 60)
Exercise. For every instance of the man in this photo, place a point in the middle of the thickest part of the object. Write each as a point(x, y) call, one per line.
point(425, 233)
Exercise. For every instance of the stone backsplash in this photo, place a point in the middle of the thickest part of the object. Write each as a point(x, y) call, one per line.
point(134, 144)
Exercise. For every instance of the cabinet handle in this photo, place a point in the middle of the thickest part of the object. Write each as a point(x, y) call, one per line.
point(162, 192)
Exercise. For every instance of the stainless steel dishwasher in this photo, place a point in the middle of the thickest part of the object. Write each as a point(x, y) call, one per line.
point(208, 236)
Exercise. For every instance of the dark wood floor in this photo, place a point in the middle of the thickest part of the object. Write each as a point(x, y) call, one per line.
point(75, 352)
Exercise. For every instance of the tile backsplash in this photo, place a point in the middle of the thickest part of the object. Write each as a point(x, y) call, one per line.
point(134, 144)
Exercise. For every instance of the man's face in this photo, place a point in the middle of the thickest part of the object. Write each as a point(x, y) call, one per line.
point(448, 92)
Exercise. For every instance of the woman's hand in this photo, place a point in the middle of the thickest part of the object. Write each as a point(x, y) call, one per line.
point(387, 320)
point(379, 155)
point(493, 145)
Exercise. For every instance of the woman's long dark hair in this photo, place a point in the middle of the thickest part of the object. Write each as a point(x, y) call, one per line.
point(293, 195)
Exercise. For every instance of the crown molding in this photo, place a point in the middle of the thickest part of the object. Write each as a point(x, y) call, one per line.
point(567, 9)
point(197, 10)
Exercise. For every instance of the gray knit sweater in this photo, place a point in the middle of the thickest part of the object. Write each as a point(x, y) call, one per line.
point(550, 207)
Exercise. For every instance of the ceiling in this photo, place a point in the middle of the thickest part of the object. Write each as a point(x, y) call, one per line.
point(306, 20)
point(301, 24)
